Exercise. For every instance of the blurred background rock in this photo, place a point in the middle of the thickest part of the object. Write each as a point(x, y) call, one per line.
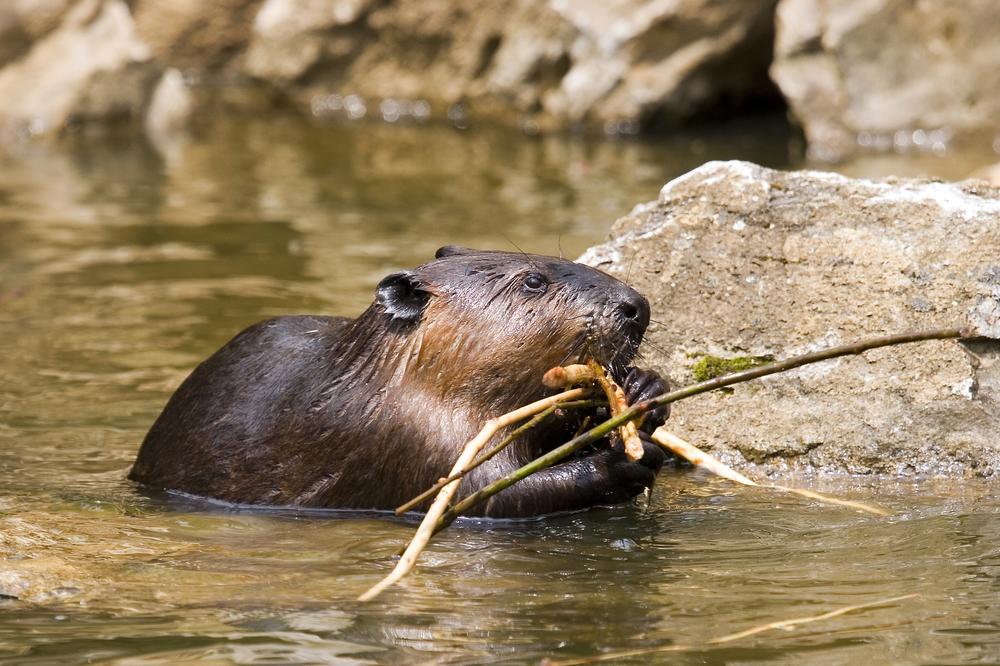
point(876, 76)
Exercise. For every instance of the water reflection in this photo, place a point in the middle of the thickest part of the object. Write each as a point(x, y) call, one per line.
point(121, 268)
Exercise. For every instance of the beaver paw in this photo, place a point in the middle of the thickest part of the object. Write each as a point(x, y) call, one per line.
point(623, 479)
point(642, 385)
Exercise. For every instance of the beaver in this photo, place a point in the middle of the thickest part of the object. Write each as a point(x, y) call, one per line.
point(316, 411)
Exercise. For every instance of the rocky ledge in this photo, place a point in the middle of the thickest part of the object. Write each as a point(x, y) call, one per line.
point(742, 263)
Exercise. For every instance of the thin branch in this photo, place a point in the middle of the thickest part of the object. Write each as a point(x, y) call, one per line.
point(469, 452)
point(565, 376)
point(729, 638)
point(637, 410)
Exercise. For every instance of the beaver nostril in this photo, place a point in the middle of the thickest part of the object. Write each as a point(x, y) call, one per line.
point(634, 308)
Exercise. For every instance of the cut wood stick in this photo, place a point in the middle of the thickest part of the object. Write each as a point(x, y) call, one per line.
point(409, 558)
point(635, 411)
point(571, 375)
point(507, 441)
point(617, 403)
point(696, 456)
point(565, 376)
point(729, 638)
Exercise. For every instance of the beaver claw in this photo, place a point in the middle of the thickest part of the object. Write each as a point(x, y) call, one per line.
point(642, 385)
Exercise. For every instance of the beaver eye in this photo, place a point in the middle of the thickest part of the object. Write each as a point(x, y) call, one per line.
point(535, 283)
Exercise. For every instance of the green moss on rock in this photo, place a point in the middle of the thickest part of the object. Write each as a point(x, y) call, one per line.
point(709, 367)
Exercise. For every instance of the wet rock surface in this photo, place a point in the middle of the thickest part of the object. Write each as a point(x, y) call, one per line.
point(742, 261)
point(888, 74)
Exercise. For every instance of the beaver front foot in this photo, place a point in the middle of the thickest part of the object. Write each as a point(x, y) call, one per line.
point(615, 478)
point(642, 385)
point(605, 475)
point(618, 479)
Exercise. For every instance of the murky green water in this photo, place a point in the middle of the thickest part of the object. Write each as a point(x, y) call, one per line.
point(121, 268)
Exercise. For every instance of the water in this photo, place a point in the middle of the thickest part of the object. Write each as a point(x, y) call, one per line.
point(121, 267)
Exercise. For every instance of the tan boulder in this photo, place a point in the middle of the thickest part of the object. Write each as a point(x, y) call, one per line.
point(888, 74)
point(741, 261)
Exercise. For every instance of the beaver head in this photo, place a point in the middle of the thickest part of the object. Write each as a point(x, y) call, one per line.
point(482, 327)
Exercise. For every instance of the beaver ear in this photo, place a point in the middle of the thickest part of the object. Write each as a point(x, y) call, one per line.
point(403, 296)
point(452, 251)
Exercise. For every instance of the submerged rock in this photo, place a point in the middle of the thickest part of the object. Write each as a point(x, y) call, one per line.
point(741, 261)
point(888, 74)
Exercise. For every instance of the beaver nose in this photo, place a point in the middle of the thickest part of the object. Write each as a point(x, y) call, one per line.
point(634, 308)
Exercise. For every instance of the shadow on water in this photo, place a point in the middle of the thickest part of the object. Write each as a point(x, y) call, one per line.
point(122, 267)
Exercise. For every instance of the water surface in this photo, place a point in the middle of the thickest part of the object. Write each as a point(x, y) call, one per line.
point(122, 266)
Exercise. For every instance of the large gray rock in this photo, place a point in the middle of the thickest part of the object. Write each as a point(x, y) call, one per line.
point(887, 73)
point(738, 260)
point(557, 63)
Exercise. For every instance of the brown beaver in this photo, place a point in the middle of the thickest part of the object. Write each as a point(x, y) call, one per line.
point(366, 413)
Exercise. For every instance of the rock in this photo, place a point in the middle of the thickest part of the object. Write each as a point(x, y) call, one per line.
point(887, 73)
point(170, 105)
point(742, 261)
point(22, 22)
point(91, 66)
point(990, 173)
point(199, 38)
point(614, 65)
point(289, 37)
point(634, 60)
